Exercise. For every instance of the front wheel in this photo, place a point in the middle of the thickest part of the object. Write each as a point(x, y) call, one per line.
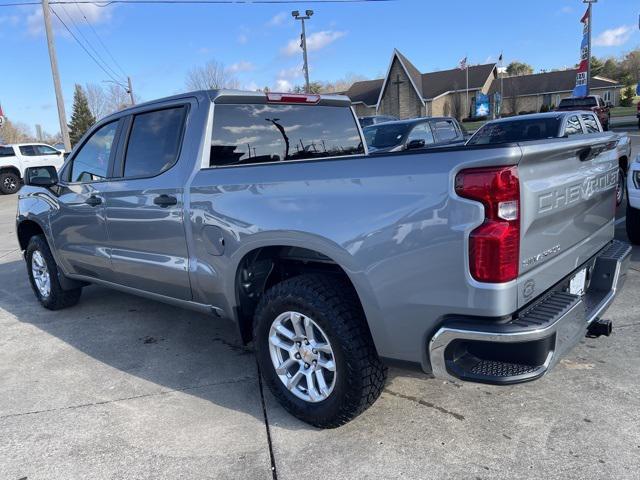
point(621, 187)
point(9, 183)
point(315, 351)
point(633, 224)
point(43, 276)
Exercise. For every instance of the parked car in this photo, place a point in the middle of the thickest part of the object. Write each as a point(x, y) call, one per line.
point(414, 133)
point(15, 158)
point(594, 103)
point(375, 119)
point(543, 126)
point(331, 262)
point(633, 205)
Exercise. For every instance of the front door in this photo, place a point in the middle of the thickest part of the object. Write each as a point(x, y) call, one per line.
point(144, 210)
point(78, 223)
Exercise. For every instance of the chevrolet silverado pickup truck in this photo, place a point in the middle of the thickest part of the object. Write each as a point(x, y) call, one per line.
point(481, 263)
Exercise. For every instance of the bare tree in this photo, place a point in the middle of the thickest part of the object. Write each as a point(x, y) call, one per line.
point(117, 98)
point(97, 98)
point(211, 75)
point(15, 132)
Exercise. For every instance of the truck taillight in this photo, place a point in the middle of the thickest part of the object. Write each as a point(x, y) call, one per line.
point(494, 246)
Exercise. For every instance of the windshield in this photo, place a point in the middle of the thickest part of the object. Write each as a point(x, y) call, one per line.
point(516, 131)
point(385, 135)
point(578, 102)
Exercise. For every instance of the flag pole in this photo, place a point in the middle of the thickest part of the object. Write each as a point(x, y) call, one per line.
point(468, 107)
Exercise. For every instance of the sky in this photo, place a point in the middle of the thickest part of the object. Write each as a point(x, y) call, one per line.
point(156, 45)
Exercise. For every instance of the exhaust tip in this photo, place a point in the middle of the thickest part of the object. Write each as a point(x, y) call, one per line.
point(600, 327)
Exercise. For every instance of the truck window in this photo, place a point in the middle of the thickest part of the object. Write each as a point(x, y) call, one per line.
point(28, 150)
point(583, 102)
point(6, 152)
point(591, 123)
point(445, 130)
point(573, 126)
point(46, 150)
point(422, 131)
point(246, 134)
point(154, 142)
point(508, 131)
point(91, 163)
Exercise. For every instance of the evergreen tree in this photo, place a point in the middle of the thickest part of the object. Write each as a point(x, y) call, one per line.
point(82, 118)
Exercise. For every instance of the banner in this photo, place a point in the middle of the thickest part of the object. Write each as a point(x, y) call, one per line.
point(583, 68)
point(482, 105)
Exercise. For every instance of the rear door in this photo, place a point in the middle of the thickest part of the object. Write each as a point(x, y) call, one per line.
point(568, 203)
point(144, 204)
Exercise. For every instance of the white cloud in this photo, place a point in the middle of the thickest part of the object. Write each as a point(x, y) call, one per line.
point(315, 41)
point(75, 12)
point(613, 37)
point(566, 9)
point(277, 20)
point(283, 85)
point(9, 19)
point(241, 66)
point(242, 39)
point(291, 73)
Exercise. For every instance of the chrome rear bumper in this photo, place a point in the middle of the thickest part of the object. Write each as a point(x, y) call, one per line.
point(527, 346)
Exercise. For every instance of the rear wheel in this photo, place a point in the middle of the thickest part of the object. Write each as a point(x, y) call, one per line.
point(315, 351)
point(9, 183)
point(43, 276)
point(633, 224)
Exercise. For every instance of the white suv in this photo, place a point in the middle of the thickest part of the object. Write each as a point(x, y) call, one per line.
point(15, 158)
point(633, 208)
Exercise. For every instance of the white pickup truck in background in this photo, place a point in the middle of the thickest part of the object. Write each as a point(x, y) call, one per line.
point(15, 158)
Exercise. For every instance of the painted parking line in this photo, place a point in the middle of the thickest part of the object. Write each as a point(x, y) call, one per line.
point(620, 220)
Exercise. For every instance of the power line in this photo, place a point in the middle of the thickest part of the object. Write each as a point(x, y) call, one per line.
point(191, 2)
point(100, 40)
point(88, 42)
point(85, 49)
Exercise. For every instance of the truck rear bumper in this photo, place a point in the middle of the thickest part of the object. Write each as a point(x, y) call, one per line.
point(526, 346)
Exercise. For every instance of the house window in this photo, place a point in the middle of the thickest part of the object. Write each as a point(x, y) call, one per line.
point(607, 96)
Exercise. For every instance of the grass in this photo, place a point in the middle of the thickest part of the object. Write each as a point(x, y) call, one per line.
point(624, 111)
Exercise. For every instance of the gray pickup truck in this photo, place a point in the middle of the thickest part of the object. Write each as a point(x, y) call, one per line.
point(478, 263)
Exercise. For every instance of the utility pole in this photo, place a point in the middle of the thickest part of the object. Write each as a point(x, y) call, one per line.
point(130, 91)
point(303, 43)
point(590, 2)
point(62, 116)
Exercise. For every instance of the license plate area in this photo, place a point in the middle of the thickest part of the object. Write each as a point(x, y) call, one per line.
point(578, 282)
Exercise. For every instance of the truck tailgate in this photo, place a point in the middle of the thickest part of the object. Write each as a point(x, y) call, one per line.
point(567, 207)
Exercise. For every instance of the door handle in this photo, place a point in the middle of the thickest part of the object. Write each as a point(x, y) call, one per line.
point(93, 201)
point(165, 200)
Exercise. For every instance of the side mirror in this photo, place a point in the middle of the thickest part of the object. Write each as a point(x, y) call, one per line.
point(41, 176)
point(413, 144)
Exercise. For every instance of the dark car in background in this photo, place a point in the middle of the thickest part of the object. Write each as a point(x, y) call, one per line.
point(593, 103)
point(413, 134)
point(375, 119)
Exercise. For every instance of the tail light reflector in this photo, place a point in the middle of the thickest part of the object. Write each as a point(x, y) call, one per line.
point(494, 246)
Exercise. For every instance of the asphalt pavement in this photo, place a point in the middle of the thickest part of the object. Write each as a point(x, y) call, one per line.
point(120, 387)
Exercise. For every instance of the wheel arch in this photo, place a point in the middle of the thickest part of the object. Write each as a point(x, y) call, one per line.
point(261, 265)
point(10, 169)
point(26, 229)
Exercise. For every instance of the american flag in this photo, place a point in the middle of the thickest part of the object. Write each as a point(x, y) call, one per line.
point(463, 64)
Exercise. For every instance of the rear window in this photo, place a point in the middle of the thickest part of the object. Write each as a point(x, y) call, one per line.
point(154, 142)
point(28, 150)
point(246, 134)
point(385, 135)
point(6, 152)
point(445, 130)
point(516, 131)
point(591, 123)
point(585, 102)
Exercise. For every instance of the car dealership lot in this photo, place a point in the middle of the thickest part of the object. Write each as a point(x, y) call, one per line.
point(121, 387)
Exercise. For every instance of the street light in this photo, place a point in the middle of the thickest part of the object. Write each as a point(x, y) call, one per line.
point(307, 15)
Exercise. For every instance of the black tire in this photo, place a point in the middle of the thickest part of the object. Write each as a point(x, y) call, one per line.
point(633, 224)
point(333, 305)
point(9, 183)
point(57, 298)
point(621, 188)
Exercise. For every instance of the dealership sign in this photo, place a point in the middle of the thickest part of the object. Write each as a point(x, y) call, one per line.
point(583, 69)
